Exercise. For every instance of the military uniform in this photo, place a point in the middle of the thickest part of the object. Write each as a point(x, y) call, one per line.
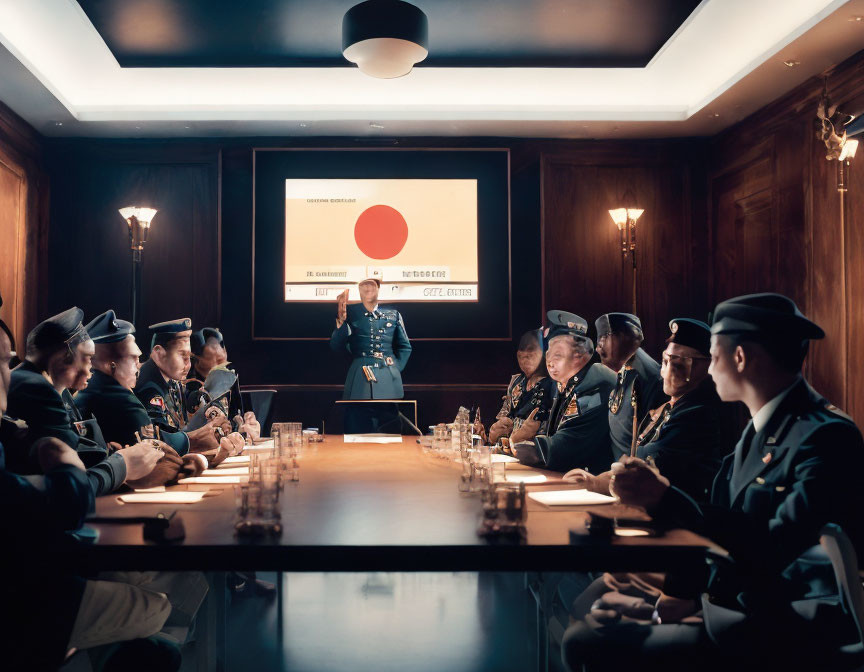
point(519, 401)
point(379, 345)
point(578, 433)
point(769, 501)
point(35, 401)
point(163, 400)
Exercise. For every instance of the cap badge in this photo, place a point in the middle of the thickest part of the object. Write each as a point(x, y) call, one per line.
point(767, 458)
point(674, 327)
point(571, 325)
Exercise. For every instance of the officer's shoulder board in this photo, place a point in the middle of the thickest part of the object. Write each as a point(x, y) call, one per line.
point(833, 410)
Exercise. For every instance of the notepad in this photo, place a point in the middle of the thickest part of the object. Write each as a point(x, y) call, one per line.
point(173, 497)
point(372, 438)
point(229, 471)
point(209, 480)
point(236, 459)
point(497, 457)
point(571, 498)
point(524, 477)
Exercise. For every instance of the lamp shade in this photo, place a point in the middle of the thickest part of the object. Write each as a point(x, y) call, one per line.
point(385, 38)
point(143, 215)
point(621, 215)
point(850, 147)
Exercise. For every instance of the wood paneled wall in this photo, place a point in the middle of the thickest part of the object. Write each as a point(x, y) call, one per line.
point(23, 220)
point(778, 223)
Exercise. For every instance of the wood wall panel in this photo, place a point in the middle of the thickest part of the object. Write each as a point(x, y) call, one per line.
point(23, 213)
point(778, 224)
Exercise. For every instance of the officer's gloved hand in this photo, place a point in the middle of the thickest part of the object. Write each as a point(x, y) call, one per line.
point(193, 465)
point(141, 458)
point(165, 471)
point(234, 443)
point(248, 424)
point(501, 427)
point(528, 430)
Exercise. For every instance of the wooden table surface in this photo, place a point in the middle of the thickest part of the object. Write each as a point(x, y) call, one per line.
point(360, 507)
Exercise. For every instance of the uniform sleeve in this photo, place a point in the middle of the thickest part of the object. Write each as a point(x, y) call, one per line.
point(339, 337)
point(42, 409)
point(56, 502)
point(150, 395)
point(578, 443)
point(507, 399)
point(401, 344)
point(107, 475)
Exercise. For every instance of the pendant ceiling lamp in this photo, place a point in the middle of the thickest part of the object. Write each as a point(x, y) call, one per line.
point(385, 38)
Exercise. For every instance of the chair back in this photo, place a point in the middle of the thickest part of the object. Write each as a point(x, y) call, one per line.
point(844, 560)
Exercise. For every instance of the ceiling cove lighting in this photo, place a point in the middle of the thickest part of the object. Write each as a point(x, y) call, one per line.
point(385, 38)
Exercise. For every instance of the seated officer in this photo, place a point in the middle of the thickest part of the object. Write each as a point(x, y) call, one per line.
point(578, 433)
point(682, 437)
point(209, 353)
point(160, 390)
point(108, 395)
point(530, 394)
point(790, 474)
point(59, 352)
point(637, 390)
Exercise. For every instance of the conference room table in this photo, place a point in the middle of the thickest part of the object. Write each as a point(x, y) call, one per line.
point(377, 507)
point(361, 507)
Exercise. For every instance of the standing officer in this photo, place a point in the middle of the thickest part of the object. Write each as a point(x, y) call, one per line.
point(637, 389)
point(376, 338)
point(578, 433)
point(792, 472)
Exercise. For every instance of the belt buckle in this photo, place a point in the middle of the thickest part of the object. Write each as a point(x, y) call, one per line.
point(388, 361)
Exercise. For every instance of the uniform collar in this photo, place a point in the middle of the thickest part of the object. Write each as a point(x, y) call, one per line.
point(763, 415)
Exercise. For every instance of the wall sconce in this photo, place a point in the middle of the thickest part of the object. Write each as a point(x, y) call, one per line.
point(625, 219)
point(846, 155)
point(138, 220)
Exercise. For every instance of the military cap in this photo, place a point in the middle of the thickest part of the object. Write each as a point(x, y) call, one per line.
point(692, 333)
point(199, 338)
point(219, 382)
point(377, 281)
point(165, 332)
point(64, 328)
point(611, 323)
point(106, 328)
point(562, 322)
point(768, 314)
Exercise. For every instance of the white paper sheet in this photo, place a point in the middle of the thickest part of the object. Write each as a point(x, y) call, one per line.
point(372, 438)
point(498, 457)
point(173, 497)
point(210, 480)
point(571, 498)
point(235, 459)
point(524, 477)
point(230, 471)
point(158, 488)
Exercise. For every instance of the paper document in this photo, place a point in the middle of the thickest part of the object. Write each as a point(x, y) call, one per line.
point(524, 477)
point(230, 471)
point(211, 480)
point(497, 457)
point(236, 459)
point(158, 488)
point(571, 498)
point(372, 438)
point(173, 497)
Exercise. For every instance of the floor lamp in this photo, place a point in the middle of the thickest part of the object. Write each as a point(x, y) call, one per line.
point(625, 220)
point(138, 220)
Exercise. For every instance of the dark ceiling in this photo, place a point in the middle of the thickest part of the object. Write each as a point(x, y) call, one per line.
point(462, 33)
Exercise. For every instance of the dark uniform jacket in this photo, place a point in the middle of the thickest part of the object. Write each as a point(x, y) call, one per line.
point(120, 412)
point(578, 435)
point(684, 440)
point(163, 400)
point(378, 341)
point(771, 498)
point(39, 596)
point(34, 400)
point(638, 384)
point(519, 401)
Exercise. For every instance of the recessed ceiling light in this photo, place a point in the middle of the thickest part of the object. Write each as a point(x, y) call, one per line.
point(372, 124)
point(187, 127)
point(58, 123)
point(303, 124)
point(791, 64)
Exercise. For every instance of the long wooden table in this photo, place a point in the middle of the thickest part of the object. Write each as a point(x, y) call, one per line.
point(363, 507)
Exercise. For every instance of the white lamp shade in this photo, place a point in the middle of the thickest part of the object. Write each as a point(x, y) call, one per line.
point(850, 147)
point(619, 216)
point(143, 215)
point(385, 57)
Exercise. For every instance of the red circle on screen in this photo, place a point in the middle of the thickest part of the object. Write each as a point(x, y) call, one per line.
point(381, 232)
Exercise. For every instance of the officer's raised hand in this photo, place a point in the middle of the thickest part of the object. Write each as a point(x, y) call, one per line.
point(637, 484)
point(501, 427)
point(341, 308)
point(233, 443)
point(248, 424)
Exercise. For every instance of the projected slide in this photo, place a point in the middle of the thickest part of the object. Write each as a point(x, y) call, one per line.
point(418, 237)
